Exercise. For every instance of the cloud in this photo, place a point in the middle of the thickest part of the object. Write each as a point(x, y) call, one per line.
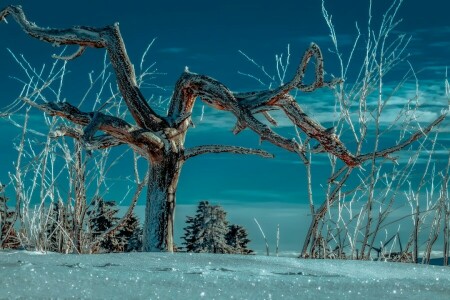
point(403, 157)
point(435, 31)
point(343, 39)
point(441, 44)
point(173, 50)
point(207, 118)
point(35, 123)
point(254, 193)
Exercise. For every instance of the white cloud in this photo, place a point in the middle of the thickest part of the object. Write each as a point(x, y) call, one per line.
point(343, 39)
point(254, 193)
point(173, 50)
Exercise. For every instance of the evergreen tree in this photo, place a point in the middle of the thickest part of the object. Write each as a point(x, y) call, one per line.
point(213, 228)
point(130, 230)
point(190, 232)
point(237, 239)
point(209, 232)
point(103, 216)
point(135, 241)
point(8, 236)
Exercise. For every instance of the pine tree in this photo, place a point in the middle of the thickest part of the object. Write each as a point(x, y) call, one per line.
point(135, 241)
point(8, 236)
point(211, 236)
point(209, 232)
point(103, 216)
point(237, 239)
point(130, 230)
point(206, 231)
point(190, 232)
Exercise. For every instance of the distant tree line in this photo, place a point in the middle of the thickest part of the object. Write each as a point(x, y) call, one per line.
point(102, 216)
point(58, 232)
point(207, 232)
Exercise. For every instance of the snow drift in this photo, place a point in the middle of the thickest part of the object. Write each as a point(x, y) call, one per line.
point(193, 276)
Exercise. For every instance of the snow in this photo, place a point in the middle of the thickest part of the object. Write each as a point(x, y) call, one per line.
point(212, 276)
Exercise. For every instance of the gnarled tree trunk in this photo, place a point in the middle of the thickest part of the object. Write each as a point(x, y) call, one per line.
point(164, 171)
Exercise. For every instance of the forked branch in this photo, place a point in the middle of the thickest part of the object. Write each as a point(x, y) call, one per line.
point(113, 126)
point(98, 142)
point(215, 94)
point(414, 137)
point(107, 37)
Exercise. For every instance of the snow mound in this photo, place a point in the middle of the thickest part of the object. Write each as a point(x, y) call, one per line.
point(195, 276)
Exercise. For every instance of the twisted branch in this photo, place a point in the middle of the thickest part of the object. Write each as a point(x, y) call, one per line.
point(414, 137)
point(109, 38)
point(207, 149)
point(98, 142)
point(215, 94)
point(115, 127)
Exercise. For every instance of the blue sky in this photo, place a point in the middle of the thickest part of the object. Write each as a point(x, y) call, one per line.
point(206, 36)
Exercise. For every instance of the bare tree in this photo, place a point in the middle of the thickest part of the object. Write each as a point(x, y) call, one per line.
point(359, 201)
point(160, 139)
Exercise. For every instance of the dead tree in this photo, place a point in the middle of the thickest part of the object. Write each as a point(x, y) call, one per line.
point(160, 139)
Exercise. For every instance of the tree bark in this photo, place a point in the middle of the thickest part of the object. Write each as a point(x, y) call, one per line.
point(164, 172)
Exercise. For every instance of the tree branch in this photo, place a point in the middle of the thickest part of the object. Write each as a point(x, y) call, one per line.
point(414, 137)
point(328, 140)
point(115, 127)
point(207, 149)
point(386, 152)
point(108, 37)
point(244, 105)
point(187, 89)
point(256, 100)
point(215, 94)
point(78, 53)
point(98, 142)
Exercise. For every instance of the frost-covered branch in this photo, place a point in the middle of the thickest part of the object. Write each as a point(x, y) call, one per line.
point(327, 139)
point(76, 54)
point(215, 94)
point(207, 149)
point(414, 137)
point(115, 127)
point(108, 37)
point(98, 142)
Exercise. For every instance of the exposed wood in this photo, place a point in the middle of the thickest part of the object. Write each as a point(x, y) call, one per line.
point(99, 142)
point(114, 126)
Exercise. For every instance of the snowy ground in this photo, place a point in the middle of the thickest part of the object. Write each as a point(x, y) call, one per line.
point(196, 276)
